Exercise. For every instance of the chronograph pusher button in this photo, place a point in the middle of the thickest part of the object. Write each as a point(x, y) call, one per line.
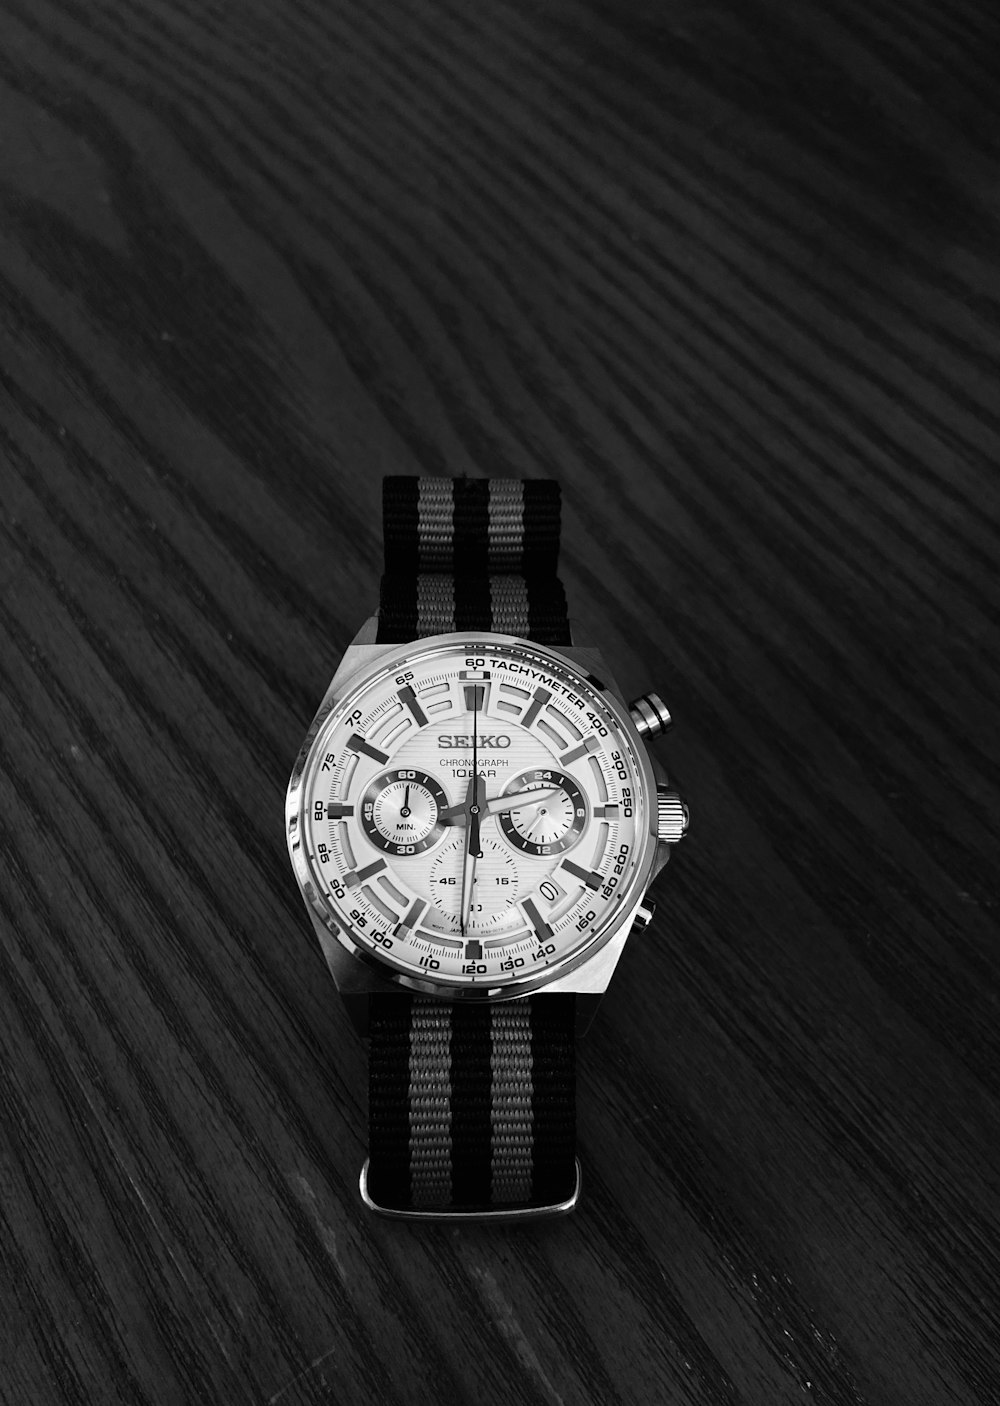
point(650, 715)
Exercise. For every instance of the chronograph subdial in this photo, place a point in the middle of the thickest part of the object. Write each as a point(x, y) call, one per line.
point(548, 826)
point(494, 891)
point(400, 810)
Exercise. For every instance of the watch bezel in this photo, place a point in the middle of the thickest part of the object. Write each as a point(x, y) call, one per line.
point(329, 922)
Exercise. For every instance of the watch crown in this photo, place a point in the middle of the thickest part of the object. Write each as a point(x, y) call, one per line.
point(672, 816)
point(650, 715)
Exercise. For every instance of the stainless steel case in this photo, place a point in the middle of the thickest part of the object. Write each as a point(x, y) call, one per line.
point(356, 970)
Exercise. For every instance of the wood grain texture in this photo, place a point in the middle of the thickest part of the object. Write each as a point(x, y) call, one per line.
point(730, 273)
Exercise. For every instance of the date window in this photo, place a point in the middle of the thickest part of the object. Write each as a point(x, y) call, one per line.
point(551, 892)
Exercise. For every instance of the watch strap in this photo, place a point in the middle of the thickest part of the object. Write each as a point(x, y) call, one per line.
point(471, 1106)
point(471, 554)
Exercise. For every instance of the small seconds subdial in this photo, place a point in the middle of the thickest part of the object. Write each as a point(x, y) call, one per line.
point(400, 811)
point(548, 826)
point(494, 891)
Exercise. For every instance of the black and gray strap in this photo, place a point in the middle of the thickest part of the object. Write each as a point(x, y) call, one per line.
point(472, 1106)
point(471, 554)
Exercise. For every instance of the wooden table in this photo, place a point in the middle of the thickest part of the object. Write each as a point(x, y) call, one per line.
point(731, 273)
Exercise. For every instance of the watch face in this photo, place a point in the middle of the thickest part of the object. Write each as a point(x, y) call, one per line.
point(383, 820)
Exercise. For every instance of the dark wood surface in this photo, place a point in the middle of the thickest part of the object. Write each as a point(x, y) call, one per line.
point(731, 273)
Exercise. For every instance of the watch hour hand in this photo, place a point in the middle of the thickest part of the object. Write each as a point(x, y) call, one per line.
point(474, 800)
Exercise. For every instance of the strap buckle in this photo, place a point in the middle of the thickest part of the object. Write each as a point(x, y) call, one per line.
point(501, 1216)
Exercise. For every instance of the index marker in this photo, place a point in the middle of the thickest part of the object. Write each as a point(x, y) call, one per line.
point(538, 701)
point(592, 879)
point(359, 876)
point(589, 744)
point(411, 917)
point(358, 744)
point(408, 699)
point(541, 927)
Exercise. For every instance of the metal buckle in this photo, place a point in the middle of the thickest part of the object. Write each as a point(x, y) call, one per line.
point(499, 1217)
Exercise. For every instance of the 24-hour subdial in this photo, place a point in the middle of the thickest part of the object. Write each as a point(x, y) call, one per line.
point(494, 892)
point(400, 811)
point(548, 826)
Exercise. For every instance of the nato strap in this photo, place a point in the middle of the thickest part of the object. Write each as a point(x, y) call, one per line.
point(471, 1106)
point(471, 554)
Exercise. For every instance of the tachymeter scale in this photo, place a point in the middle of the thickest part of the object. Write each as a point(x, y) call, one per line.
point(537, 723)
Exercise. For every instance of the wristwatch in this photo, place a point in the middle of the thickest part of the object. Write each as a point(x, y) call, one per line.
point(474, 819)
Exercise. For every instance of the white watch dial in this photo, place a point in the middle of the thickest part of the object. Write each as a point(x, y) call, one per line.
point(452, 880)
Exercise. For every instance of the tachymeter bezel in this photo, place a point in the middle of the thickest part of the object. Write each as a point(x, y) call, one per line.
point(620, 909)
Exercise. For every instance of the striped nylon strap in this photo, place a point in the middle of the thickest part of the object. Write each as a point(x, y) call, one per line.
point(472, 1107)
point(471, 554)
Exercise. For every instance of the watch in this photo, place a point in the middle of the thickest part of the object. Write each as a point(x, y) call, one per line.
point(474, 819)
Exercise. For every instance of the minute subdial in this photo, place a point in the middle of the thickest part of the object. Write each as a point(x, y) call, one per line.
point(400, 811)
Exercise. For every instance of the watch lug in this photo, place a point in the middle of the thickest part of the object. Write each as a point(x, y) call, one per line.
point(368, 634)
point(580, 636)
point(361, 653)
point(355, 981)
point(589, 660)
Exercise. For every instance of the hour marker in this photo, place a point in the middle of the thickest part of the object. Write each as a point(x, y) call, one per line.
point(358, 744)
point(359, 876)
point(475, 697)
point(411, 917)
point(590, 744)
point(338, 812)
point(541, 927)
point(473, 951)
point(606, 812)
point(538, 701)
point(408, 699)
point(592, 880)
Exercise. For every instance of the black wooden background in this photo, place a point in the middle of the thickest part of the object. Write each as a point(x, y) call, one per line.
point(730, 271)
